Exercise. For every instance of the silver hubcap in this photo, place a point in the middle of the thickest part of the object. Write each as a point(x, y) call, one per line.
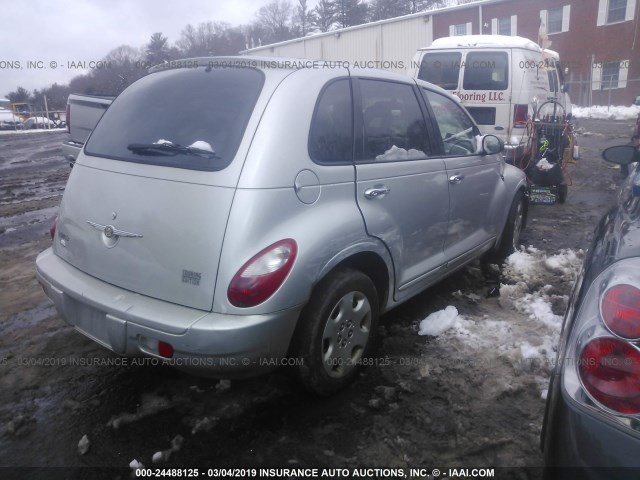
point(517, 226)
point(346, 334)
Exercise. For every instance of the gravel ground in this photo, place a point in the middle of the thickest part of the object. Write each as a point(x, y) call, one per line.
point(448, 402)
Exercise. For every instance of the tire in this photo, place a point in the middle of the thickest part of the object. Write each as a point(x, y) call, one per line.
point(510, 240)
point(335, 331)
point(563, 191)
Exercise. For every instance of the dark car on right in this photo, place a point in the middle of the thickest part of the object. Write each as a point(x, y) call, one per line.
point(591, 428)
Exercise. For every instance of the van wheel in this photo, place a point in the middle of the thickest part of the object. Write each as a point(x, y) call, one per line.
point(335, 331)
point(510, 240)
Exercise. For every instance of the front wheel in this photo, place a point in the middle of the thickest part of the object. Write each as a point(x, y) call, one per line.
point(335, 331)
point(510, 240)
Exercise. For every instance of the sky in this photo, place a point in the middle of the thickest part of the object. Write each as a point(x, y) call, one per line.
point(44, 41)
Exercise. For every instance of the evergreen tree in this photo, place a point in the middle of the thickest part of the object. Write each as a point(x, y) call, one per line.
point(158, 49)
point(351, 12)
point(325, 15)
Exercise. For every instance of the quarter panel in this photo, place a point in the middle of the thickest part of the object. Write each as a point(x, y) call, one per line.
point(261, 217)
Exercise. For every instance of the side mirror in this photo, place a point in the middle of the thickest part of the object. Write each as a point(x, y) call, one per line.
point(492, 144)
point(621, 154)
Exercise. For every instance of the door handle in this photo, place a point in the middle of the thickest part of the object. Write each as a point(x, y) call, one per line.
point(456, 179)
point(377, 191)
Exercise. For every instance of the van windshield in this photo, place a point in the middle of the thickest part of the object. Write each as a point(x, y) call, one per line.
point(442, 69)
point(486, 71)
point(191, 118)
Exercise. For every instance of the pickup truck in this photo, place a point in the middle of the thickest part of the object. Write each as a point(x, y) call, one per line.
point(83, 112)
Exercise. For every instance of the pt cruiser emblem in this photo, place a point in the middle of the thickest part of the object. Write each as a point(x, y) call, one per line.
point(110, 231)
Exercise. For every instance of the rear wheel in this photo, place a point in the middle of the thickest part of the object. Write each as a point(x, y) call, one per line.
point(335, 331)
point(510, 240)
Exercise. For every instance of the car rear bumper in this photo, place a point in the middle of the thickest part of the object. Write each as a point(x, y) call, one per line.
point(71, 149)
point(130, 324)
point(578, 444)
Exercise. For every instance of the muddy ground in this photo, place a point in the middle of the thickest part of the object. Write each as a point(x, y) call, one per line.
point(427, 403)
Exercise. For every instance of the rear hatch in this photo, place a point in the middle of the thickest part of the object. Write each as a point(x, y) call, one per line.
point(147, 203)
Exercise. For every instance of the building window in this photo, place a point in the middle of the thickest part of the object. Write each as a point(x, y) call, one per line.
point(504, 26)
point(617, 11)
point(556, 20)
point(554, 24)
point(610, 75)
point(460, 29)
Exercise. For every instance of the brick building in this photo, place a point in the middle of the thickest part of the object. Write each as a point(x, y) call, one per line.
point(598, 40)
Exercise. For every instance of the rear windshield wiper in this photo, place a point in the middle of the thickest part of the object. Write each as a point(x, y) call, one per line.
point(169, 149)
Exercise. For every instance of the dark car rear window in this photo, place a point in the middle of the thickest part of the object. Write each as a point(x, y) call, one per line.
point(190, 107)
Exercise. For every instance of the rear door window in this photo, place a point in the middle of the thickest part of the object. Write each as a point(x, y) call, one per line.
point(486, 71)
point(442, 69)
point(331, 136)
point(191, 118)
point(393, 124)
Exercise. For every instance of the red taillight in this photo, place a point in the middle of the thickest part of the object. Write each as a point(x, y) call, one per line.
point(67, 118)
point(165, 349)
point(610, 371)
point(52, 229)
point(520, 114)
point(261, 276)
point(621, 311)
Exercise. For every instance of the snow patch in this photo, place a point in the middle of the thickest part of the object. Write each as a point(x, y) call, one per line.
point(83, 445)
point(150, 405)
point(544, 165)
point(608, 113)
point(439, 322)
point(202, 145)
point(396, 153)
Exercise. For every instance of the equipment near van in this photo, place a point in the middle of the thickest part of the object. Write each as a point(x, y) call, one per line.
point(501, 80)
point(549, 149)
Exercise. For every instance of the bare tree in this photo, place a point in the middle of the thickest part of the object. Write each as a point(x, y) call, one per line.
point(275, 20)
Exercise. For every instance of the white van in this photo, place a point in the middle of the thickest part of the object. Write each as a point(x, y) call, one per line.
point(501, 80)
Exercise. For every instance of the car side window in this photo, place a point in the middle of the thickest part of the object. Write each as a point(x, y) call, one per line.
point(456, 128)
point(331, 135)
point(393, 125)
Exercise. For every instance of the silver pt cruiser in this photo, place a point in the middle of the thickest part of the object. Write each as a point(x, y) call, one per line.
point(241, 211)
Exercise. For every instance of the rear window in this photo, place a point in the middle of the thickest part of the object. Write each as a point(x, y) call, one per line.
point(205, 110)
point(486, 71)
point(442, 69)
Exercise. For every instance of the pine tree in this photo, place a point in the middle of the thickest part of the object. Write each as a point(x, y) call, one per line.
point(325, 15)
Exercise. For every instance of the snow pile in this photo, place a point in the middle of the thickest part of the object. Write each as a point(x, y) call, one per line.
point(524, 333)
point(32, 130)
point(439, 322)
point(607, 113)
point(397, 153)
